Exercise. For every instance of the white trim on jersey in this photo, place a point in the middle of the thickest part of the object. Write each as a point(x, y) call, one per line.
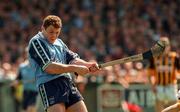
point(45, 66)
point(43, 58)
point(38, 53)
point(43, 50)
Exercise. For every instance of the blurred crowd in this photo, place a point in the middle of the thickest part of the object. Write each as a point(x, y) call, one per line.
point(100, 30)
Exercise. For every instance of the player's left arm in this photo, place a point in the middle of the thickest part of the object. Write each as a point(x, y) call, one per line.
point(93, 66)
point(73, 58)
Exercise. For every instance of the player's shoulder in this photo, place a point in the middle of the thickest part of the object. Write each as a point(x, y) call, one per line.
point(173, 54)
point(38, 40)
point(37, 37)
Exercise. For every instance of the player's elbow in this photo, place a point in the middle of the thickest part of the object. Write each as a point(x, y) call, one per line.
point(49, 71)
point(56, 68)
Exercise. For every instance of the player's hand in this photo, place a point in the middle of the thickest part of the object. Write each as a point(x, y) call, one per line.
point(93, 67)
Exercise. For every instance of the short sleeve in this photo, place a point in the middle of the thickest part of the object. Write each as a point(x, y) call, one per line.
point(70, 55)
point(39, 52)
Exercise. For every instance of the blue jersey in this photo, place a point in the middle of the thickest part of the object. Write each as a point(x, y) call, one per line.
point(42, 53)
point(27, 75)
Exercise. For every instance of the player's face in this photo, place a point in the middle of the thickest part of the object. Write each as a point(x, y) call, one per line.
point(51, 33)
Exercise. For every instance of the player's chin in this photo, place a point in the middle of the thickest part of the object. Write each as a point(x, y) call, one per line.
point(52, 40)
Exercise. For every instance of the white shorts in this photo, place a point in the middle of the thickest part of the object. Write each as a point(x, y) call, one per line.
point(166, 93)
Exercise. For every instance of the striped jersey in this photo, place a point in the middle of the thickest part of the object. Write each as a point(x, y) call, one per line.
point(165, 68)
point(42, 53)
point(27, 76)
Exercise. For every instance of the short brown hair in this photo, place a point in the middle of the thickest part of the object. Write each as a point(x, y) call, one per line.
point(53, 20)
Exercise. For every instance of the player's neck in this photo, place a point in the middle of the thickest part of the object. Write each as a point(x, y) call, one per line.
point(44, 34)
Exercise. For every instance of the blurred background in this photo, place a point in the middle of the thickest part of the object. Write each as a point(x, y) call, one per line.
point(100, 30)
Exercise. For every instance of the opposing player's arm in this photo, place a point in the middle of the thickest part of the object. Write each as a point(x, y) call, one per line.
point(172, 108)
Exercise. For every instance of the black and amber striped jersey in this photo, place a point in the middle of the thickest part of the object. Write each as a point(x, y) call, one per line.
point(165, 68)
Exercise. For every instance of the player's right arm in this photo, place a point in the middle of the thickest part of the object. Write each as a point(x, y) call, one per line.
point(40, 53)
point(58, 68)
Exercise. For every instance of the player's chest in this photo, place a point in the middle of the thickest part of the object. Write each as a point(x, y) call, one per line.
point(57, 53)
point(165, 64)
